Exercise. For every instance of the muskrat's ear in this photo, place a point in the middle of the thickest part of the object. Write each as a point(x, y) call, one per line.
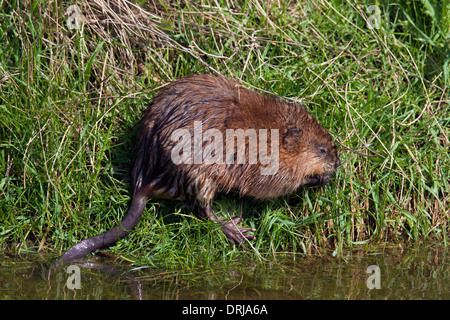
point(292, 137)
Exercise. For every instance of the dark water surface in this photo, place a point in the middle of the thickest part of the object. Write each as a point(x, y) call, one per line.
point(394, 273)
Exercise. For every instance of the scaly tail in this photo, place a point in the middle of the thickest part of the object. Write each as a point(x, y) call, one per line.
point(109, 237)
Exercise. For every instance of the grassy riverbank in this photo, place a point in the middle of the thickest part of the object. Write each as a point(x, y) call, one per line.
point(71, 94)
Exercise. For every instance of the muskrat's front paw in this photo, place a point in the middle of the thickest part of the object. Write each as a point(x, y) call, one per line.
point(235, 234)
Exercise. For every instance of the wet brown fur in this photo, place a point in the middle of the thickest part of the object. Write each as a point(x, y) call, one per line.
point(223, 104)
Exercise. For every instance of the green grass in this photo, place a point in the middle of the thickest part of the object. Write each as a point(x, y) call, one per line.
point(70, 99)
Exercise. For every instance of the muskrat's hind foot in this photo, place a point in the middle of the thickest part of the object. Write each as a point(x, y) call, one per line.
point(235, 234)
point(229, 228)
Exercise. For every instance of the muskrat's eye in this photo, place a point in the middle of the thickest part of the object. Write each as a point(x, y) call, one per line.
point(323, 150)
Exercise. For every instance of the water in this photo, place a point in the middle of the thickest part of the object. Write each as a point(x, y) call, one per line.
point(394, 273)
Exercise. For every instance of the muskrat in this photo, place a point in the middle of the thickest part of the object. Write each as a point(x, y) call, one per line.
point(174, 160)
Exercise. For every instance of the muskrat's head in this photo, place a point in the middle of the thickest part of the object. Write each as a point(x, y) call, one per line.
point(312, 152)
point(323, 159)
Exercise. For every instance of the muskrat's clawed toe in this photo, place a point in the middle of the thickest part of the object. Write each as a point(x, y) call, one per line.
point(235, 234)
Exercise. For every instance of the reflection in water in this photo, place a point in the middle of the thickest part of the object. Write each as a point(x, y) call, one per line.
point(417, 273)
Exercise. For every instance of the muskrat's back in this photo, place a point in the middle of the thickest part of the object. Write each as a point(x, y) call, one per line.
point(205, 134)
